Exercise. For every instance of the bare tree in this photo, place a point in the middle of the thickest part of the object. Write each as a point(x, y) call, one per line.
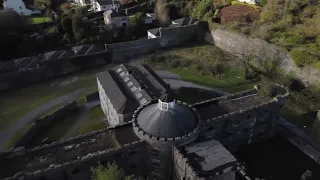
point(162, 12)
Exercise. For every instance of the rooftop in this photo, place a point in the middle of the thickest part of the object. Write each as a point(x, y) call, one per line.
point(184, 21)
point(174, 120)
point(208, 158)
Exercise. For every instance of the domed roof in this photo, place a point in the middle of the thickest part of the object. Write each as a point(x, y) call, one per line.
point(175, 120)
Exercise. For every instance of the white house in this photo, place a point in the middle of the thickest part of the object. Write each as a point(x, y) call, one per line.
point(82, 2)
point(123, 20)
point(103, 5)
point(248, 1)
point(19, 7)
point(113, 19)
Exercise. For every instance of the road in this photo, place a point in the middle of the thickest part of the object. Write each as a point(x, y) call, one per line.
point(9, 132)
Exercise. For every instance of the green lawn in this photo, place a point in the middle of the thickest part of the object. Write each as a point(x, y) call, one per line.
point(94, 121)
point(15, 104)
point(226, 83)
point(40, 20)
point(18, 136)
point(59, 129)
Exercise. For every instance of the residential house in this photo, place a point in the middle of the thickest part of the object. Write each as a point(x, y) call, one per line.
point(104, 5)
point(19, 7)
point(111, 18)
point(120, 20)
point(182, 22)
point(248, 1)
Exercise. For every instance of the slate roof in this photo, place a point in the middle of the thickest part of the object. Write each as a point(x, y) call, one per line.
point(53, 55)
point(107, 2)
point(208, 158)
point(132, 86)
point(87, 49)
point(120, 99)
point(184, 21)
point(177, 121)
point(155, 31)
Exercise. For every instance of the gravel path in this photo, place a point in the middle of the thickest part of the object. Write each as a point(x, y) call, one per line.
point(7, 133)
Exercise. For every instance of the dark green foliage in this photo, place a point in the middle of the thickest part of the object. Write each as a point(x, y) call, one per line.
point(137, 19)
point(269, 90)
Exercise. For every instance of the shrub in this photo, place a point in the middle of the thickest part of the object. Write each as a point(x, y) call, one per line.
point(302, 57)
point(269, 90)
point(111, 172)
point(201, 8)
point(137, 18)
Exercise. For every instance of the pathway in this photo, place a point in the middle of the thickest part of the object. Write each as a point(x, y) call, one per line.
point(9, 132)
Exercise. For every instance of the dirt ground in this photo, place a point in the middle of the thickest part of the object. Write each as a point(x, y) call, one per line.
point(240, 13)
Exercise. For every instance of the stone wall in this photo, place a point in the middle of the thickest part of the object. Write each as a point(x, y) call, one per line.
point(240, 45)
point(132, 153)
point(46, 70)
point(249, 125)
point(41, 124)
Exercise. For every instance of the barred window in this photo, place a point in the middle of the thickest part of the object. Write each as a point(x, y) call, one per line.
point(139, 95)
point(143, 101)
point(122, 74)
point(130, 84)
point(163, 105)
point(126, 79)
point(133, 88)
point(119, 70)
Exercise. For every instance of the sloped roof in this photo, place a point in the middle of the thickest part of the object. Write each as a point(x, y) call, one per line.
point(177, 121)
point(184, 21)
point(155, 31)
point(118, 96)
point(53, 55)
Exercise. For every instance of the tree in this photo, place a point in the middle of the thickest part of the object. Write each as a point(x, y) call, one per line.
point(111, 172)
point(11, 26)
point(162, 12)
point(136, 19)
point(42, 3)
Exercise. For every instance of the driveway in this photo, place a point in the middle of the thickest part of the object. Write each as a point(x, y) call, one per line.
point(9, 132)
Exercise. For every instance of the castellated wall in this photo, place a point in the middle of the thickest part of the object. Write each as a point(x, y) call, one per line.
point(241, 45)
point(41, 124)
point(246, 126)
point(130, 157)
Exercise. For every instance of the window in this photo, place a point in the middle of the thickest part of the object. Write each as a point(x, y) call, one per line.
point(143, 101)
point(130, 84)
point(122, 74)
point(139, 95)
point(126, 79)
point(119, 70)
point(133, 88)
point(163, 105)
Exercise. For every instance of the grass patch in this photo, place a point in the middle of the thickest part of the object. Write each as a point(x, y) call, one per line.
point(59, 129)
point(96, 113)
point(226, 84)
point(15, 104)
point(91, 127)
point(13, 140)
point(53, 109)
point(93, 122)
point(40, 20)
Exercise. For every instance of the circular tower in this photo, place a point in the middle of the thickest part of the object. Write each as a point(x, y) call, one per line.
point(163, 124)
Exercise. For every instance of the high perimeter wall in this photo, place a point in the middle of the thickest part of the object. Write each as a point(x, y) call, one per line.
point(240, 45)
point(114, 53)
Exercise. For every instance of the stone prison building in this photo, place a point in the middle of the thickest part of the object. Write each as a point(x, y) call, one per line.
point(159, 136)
